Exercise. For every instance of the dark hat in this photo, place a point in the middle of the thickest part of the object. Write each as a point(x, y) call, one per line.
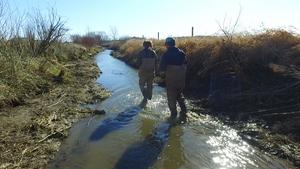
point(147, 43)
point(170, 41)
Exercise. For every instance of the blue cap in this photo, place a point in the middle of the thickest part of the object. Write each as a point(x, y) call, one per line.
point(170, 41)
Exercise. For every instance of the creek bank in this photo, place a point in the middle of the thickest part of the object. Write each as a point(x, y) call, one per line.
point(31, 133)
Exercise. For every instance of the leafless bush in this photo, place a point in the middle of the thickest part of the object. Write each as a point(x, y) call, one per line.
point(3, 20)
point(114, 32)
point(90, 39)
point(229, 49)
point(42, 31)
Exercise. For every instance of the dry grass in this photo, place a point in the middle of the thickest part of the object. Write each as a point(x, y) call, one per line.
point(32, 133)
point(246, 55)
point(23, 75)
point(267, 66)
point(31, 53)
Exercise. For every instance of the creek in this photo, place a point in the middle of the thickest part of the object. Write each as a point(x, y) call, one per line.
point(132, 137)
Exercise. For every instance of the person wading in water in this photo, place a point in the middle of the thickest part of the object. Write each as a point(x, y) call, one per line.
point(173, 65)
point(147, 62)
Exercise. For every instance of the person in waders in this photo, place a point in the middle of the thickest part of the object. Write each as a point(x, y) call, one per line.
point(147, 62)
point(173, 66)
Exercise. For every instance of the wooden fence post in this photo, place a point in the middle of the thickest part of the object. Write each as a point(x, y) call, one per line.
point(192, 31)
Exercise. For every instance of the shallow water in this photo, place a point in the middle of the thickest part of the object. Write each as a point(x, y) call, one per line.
point(132, 137)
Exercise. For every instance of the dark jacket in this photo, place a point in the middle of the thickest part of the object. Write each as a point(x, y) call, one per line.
point(173, 62)
point(173, 56)
point(147, 60)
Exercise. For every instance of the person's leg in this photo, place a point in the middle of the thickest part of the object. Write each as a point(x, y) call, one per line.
point(142, 82)
point(171, 96)
point(149, 86)
point(181, 102)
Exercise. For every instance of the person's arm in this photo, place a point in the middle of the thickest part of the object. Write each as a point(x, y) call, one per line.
point(139, 59)
point(156, 63)
point(162, 66)
point(185, 59)
point(163, 63)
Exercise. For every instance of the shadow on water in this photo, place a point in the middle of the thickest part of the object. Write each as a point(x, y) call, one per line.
point(144, 154)
point(121, 120)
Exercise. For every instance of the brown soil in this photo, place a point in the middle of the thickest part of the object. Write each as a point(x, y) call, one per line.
point(32, 133)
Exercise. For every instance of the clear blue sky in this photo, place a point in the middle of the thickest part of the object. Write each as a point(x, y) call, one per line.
point(169, 17)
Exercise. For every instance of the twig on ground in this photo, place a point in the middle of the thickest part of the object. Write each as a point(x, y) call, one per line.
point(60, 100)
point(23, 152)
point(45, 138)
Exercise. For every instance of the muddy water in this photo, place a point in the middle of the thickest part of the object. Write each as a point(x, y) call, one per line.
point(132, 137)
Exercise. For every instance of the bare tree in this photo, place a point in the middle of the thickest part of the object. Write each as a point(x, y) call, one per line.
point(76, 38)
point(100, 37)
point(229, 30)
point(114, 32)
point(230, 48)
point(104, 35)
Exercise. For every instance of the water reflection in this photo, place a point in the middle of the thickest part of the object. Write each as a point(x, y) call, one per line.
point(229, 151)
point(173, 154)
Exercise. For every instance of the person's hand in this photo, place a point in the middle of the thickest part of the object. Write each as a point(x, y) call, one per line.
point(162, 75)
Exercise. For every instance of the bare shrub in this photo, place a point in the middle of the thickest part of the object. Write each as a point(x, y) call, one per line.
point(43, 31)
point(90, 39)
point(114, 32)
point(22, 39)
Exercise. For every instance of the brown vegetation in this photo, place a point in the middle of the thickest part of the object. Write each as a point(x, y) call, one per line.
point(30, 54)
point(43, 81)
point(244, 77)
point(243, 54)
point(32, 132)
point(90, 39)
point(257, 74)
